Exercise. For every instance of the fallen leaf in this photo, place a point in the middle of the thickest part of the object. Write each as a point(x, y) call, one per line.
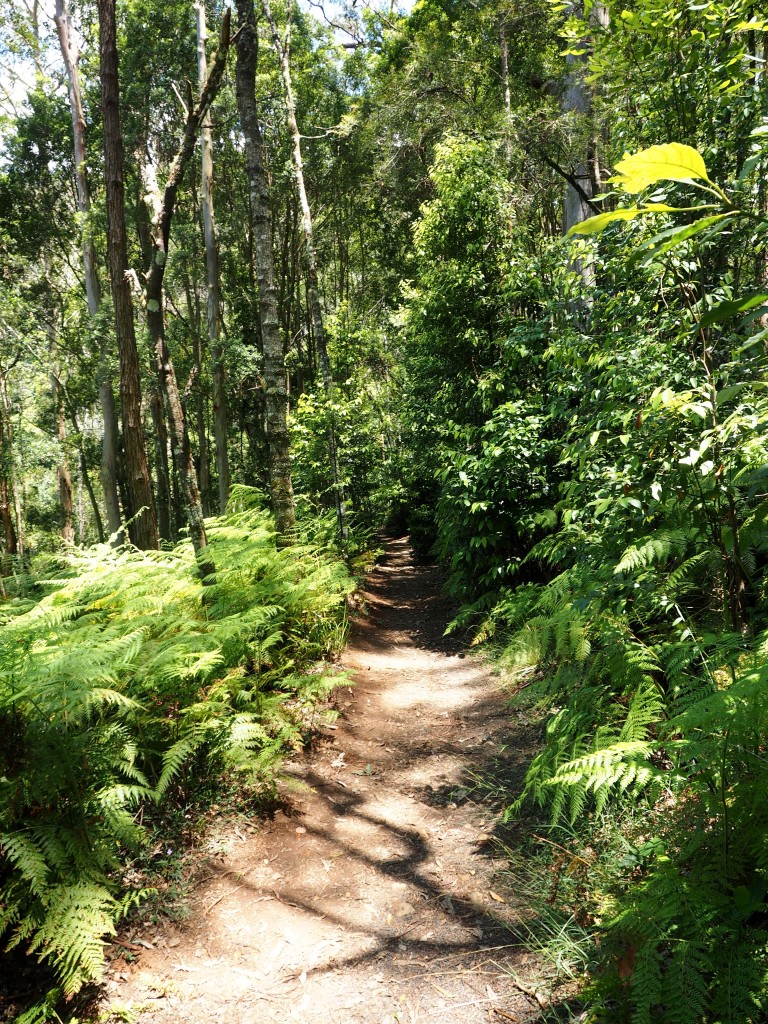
point(403, 909)
point(495, 896)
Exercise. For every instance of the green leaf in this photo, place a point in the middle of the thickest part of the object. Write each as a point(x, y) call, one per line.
point(657, 245)
point(600, 221)
point(749, 165)
point(726, 394)
point(670, 162)
point(732, 307)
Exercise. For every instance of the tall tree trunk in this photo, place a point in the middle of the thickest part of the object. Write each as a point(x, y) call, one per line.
point(585, 181)
point(161, 464)
point(282, 49)
point(195, 387)
point(85, 477)
point(62, 470)
point(63, 475)
point(504, 47)
point(16, 498)
point(275, 377)
point(143, 529)
point(70, 55)
point(161, 216)
point(214, 283)
point(11, 546)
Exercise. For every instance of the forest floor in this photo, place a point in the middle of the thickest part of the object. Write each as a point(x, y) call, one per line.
point(376, 894)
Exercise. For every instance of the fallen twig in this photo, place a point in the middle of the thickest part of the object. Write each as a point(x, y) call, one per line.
point(287, 903)
point(220, 898)
point(126, 945)
point(529, 991)
point(503, 1013)
point(458, 1006)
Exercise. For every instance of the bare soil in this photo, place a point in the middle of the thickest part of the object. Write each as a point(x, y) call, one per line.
point(375, 895)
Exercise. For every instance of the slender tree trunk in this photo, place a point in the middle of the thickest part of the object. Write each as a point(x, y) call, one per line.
point(504, 47)
point(215, 331)
point(161, 216)
point(196, 381)
point(275, 377)
point(6, 500)
point(196, 389)
point(577, 99)
point(143, 529)
point(63, 475)
point(6, 513)
point(161, 464)
point(70, 55)
point(85, 477)
point(182, 450)
point(282, 49)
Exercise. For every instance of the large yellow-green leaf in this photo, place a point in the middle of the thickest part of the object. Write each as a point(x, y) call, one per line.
point(670, 162)
point(600, 221)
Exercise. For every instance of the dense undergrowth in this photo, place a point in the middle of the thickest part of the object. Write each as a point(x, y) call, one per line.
point(601, 506)
point(120, 671)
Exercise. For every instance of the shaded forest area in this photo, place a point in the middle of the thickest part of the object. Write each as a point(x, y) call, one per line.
point(494, 272)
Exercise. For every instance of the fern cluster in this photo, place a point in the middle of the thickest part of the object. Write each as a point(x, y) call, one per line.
point(115, 680)
point(634, 612)
point(648, 707)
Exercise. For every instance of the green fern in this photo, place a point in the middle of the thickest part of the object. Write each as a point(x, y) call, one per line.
point(117, 682)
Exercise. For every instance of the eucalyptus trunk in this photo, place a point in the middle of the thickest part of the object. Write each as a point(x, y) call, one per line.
point(143, 527)
point(7, 506)
point(584, 182)
point(64, 476)
point(162, 475)
point(161, 216)
point(213, 274)
point(504, 48)
point(282, 49)
point(275, 377)
point(70, 56)
point(85, 478)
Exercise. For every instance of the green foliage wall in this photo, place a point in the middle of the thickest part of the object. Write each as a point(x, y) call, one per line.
point(599, 498)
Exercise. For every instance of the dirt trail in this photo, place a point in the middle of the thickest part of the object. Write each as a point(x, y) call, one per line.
point(373, 898)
